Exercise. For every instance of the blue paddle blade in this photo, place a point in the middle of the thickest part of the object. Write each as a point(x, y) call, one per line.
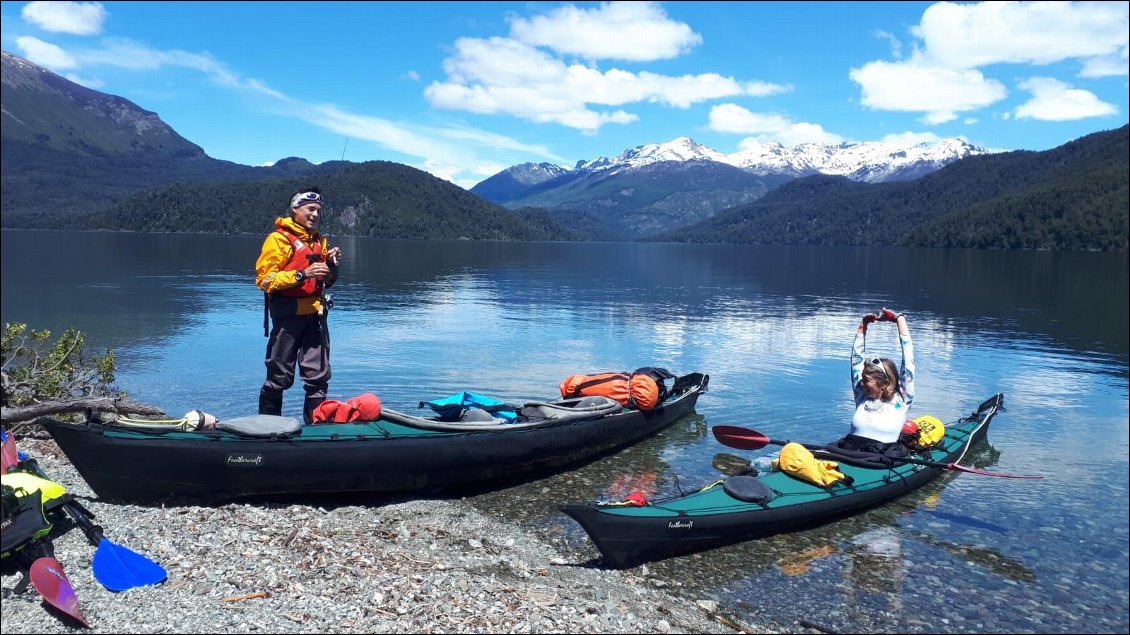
point(120, 569)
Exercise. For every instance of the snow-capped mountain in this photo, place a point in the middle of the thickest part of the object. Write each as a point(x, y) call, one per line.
point(681, 149)
point(534, 173)
point(869, 162)
point(507, 184)
point(661, 186)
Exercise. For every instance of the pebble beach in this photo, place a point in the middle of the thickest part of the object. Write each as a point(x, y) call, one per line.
point(417, 566)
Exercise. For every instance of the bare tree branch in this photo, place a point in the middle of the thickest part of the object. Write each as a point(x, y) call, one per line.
point(76, 343)
point(122, 405)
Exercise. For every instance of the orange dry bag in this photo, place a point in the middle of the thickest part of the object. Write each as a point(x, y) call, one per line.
point(646, 387)
point(644, 392)
point(643, 388)
point(614, 385)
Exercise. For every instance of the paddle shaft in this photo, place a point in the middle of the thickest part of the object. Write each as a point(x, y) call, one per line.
point(82, 517)
point(77, 512)
point(117, 568)
point(849, 454)
point(746, 439)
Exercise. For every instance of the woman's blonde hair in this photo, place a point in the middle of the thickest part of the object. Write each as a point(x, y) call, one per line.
point(884, 376)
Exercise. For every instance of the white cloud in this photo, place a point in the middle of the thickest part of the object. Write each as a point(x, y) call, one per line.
point(489, 168)
point(942, 78)
point(462, 148)
point(504, 76)
point(91, 83)
point(443, 169)
point(1109, 66)
point(1053, 100)
point(494, 140)
point(45, 54)
point(632, 31)
point(908, 139)
point(502, 61)
point(895, 44)
point(736, 119)
point(938, 117)
point(130, 55)
point(76, 18)
point(444, 152)
point(375, 129)
point(979, 34)
point(914, 87)
point(125, 53)
point(733, 118)
point(411, 75)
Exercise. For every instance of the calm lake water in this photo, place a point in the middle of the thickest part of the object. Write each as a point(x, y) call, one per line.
point(771, 325)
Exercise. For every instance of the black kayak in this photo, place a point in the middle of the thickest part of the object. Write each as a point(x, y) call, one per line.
point(723, 513)
point(397, 453)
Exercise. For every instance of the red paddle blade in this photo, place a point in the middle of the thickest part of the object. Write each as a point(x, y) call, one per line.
point(48, 578)
point(740, 438)
point(8, 452)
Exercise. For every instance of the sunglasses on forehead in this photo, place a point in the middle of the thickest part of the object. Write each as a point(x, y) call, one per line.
point(878, 363)
point(305, 198)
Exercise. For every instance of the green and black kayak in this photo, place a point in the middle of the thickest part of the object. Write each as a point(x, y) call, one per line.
point(264, 456)
point(730, 511)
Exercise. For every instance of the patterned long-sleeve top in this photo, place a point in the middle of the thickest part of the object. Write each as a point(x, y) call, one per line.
point(874, 418)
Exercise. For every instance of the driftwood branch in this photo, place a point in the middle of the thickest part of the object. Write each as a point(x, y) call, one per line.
point(120, 405)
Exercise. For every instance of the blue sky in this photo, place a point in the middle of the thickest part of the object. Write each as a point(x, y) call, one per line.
point(466, 89)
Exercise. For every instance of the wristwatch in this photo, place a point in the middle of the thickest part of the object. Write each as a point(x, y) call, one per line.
point(300, 276)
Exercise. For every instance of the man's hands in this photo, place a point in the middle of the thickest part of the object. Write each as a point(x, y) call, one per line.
point(317, 270)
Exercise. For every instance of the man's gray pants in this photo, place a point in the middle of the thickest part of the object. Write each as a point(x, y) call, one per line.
point(303, 340)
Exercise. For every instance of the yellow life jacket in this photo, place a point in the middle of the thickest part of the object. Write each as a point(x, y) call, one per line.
point(28, 500)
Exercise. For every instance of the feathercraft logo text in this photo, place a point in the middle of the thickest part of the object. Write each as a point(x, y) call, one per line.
point(245, 460)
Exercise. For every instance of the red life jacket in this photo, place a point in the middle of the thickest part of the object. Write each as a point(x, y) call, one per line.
point(366, 407)
point(303, 255)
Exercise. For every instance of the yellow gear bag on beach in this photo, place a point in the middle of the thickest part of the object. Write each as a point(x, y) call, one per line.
point(796, 460)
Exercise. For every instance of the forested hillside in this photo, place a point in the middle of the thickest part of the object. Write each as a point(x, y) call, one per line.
point(1074, 197)
point(66, 149)
point(75, 158)
point(378, 199)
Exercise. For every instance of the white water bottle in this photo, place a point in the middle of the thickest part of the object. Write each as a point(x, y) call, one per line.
point(763, 464)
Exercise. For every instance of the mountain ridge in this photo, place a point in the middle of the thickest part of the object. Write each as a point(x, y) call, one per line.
point(856, 161)
point(121, 168)
point(1074, 197)
point(635, 191)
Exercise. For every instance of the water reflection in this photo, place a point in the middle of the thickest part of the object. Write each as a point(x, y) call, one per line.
point(1031, 292)
point(771, 325)
point(873, 572)
point(867, 573)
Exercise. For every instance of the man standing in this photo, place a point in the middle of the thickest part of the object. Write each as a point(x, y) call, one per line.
point(294, 269)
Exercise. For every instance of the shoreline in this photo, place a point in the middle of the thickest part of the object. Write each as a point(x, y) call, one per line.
point(414, 566)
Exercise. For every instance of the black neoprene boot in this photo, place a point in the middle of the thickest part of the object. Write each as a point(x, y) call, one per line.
point(308, 408)
point(270, 402)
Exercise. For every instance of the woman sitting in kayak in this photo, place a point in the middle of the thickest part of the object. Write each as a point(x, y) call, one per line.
point(882, 400)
